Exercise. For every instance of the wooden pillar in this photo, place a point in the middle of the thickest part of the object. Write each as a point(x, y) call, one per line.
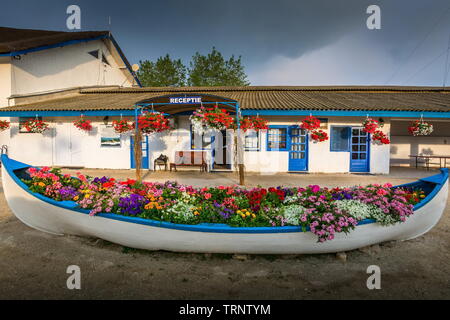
point(138, 154)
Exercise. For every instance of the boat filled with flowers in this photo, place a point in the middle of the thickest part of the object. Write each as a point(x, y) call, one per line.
point(226, 219)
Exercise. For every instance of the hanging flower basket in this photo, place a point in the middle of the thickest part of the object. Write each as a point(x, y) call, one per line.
point(36, 126)
point(310, 123)
point(370, 125)
point(380, 138)
point(153, 122)
point(83, 124)
point(211, 118)
point(319, 135)
point(253, 123)
point(420, 128)
point(122, 126)
point(4, 124)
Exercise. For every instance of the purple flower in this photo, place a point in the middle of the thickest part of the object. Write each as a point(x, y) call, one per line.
point(132, 205)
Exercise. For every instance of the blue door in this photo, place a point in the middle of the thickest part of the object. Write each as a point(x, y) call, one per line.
point(359, 152)
point(145, 153)
point(298, 149)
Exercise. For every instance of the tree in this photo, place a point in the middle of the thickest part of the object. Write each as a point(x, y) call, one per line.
point(214, 70)
point(165, 72)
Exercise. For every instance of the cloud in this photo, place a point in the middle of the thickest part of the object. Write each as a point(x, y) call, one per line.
point(349, 60)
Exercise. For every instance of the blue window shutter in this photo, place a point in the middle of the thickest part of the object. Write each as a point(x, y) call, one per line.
point(339, 138)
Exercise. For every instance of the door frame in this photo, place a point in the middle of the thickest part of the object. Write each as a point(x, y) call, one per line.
point(369, 138)
point(289, 145)
point(144, 165)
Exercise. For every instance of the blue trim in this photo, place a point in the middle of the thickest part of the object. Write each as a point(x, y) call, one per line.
point(52, 46)
point(287, 134)
point(11, 165)
point(347, 113)
point(355, 163)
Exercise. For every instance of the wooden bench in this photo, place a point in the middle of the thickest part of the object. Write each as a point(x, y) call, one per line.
point(190, 159)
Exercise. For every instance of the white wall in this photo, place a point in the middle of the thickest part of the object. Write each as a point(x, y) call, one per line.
point(320, 158)
point(39, 149)
point(65, 67)
point(5, 80)
point(403, 146)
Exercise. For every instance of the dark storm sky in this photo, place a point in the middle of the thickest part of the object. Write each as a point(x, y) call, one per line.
point(291, 42)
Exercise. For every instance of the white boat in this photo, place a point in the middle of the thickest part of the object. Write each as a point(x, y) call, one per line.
point(63, 217)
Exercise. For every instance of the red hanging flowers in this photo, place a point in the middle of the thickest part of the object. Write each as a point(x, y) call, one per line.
point(83, 124)
point(253, 123)
point(211, 118)
point(122, 126)
point(380, 137)
point(420, 128)
point(153, 122)
point(36, 126)
point(4, 124)
point(370, 125)
point(319, 135)
point(310, 123)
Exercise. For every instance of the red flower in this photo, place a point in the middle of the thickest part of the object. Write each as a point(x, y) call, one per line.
point(310, 123)
point(319, 135)
point(370, 125)
point(82, 124)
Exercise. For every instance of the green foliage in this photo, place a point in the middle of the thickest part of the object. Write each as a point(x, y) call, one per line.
point(165, 72)
point(213, 70)
point(205, 70)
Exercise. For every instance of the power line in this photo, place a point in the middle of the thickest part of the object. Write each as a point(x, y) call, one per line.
point(417, 47)
point(426, 66)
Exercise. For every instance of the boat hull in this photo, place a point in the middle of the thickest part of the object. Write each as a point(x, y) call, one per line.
point(48, 217)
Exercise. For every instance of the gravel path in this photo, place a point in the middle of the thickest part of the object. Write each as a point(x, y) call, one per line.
point(33, 264)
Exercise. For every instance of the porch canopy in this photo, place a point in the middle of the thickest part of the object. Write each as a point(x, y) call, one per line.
point(177, 104)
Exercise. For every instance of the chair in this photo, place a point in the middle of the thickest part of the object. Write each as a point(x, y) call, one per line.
point(161, 161)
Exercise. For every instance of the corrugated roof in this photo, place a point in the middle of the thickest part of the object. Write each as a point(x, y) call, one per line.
point(12, 40)
point(260, 98)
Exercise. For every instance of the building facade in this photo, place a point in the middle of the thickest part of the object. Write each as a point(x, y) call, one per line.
point(284, 147)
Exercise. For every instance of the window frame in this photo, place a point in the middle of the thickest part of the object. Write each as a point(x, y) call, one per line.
point(286, 127)
point(191, 140)
point(332, 137)
point(258, 142)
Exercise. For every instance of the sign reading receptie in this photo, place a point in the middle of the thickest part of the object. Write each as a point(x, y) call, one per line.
point(185, 100)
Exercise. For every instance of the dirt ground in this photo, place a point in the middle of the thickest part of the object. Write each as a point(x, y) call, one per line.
point(33, 264)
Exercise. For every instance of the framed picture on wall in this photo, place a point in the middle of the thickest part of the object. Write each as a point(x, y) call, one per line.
point(109, 138)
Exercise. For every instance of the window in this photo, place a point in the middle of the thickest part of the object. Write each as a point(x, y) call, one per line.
point(200, 142)
point(94, 53)
point(251, 142)
point(340, 139)
point(277, 138)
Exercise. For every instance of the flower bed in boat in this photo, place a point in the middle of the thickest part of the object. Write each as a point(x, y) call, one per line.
point(325, 211)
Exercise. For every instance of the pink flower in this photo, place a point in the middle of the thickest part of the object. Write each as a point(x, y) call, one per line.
point(208, 196)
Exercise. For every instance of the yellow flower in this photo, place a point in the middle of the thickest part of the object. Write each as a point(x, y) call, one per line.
point(196, 213)
point(253, 215)
point(41, 184)
point(243, 215)
point(247, 213)
point(75, 198)
point(422, 196)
